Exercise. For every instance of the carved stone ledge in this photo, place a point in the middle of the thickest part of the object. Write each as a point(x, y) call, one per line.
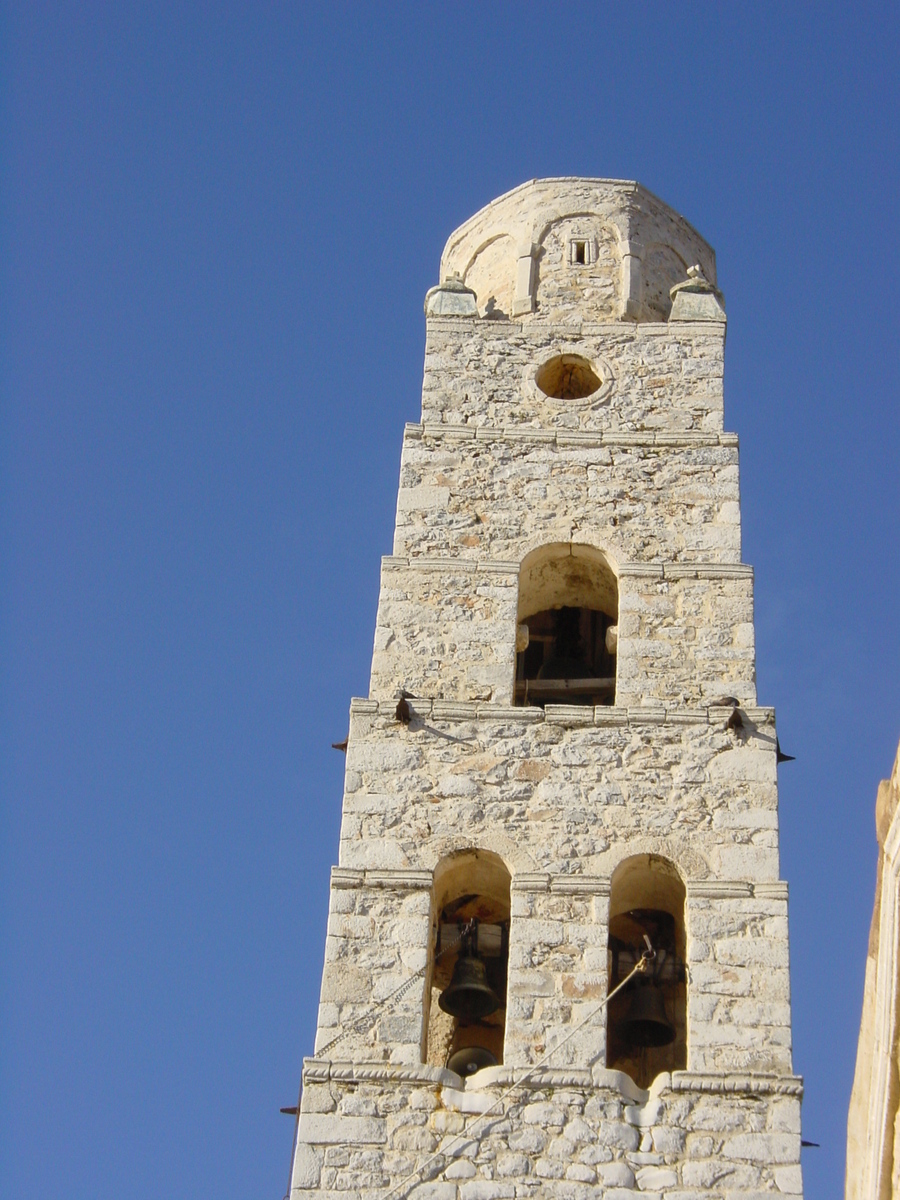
point(776, 890)
point(707, 570)
point(567, 715)
point(532, 882)
point(347, 877)
point(727, 1085)
point(579, 885)
point(402, 878)
point(570, 440)
point(320, 1070)
point(719, 889)
point(647, 715)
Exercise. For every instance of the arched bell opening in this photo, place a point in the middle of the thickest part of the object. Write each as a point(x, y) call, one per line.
point(567, 631)
point(646, 1030)
point(466, 1022)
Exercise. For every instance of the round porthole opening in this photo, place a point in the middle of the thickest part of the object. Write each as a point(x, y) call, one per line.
point(567, 377)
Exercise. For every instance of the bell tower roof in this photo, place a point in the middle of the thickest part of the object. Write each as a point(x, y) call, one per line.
point(569, 250)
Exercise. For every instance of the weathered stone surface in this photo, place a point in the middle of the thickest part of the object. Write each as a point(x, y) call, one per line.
point(873, 1124)
point(570, 448)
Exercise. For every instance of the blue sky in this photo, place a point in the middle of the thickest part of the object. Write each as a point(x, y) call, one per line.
point(218, 226)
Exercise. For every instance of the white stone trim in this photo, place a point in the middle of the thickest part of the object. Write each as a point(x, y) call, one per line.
point(879, 1127)
point(569, 439)
point(719, 889)
point(400, 878)
point(321, 1070)
point(771, 1085)
point(318, 1070)
point(626, 570)
point(776, 890)
point(536, 883)
point(642, 329)
point(514, 433)
point(570, 716)
point(579, 885)
point(531, 882)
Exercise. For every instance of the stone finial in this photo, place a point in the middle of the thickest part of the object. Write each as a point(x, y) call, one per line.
point(696, 299)
point(451, 299)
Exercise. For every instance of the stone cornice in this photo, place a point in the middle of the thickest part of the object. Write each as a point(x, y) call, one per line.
point(567, 715)
point(543, 882)
point(627, 570)
point(729, 1085)
point(538, 330)
point(535, 1079)
point(535, 882)
point(402, 879)
point(568, 439)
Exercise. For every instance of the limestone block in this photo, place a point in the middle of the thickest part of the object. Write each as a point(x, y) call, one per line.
point(307, 1167)
point(789, 1180)
point(323, 1129)
point(763, 1148)
point(651, 1179)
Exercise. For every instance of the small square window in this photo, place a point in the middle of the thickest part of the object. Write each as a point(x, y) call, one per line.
point(581, 252)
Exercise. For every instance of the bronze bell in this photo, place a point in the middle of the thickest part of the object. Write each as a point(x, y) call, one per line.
point(471, 1059)
point(468, 995)
point(646, 1023)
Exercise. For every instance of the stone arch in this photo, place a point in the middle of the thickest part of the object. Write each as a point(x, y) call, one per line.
point(647, 1021)
point(662, 267)
point(469, 960)
point(491, 274)
point(587, 281)
point(691, 864)
point(567, 615)
point(514, 857)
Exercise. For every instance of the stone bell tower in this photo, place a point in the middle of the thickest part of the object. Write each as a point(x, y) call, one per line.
point(561, 760)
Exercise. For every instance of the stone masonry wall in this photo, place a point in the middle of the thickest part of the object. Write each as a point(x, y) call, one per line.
point(563, 796)
point(631, 494)
point(446, 631)
point(662, 377)
point(565, 1134)
point(474, 493)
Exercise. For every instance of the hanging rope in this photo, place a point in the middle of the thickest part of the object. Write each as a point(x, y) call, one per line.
point(371, 1014)
point(398, 993)
point(640, 967)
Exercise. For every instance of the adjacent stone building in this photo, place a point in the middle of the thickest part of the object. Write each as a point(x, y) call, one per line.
point(561, 760)
point(873, 1141)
